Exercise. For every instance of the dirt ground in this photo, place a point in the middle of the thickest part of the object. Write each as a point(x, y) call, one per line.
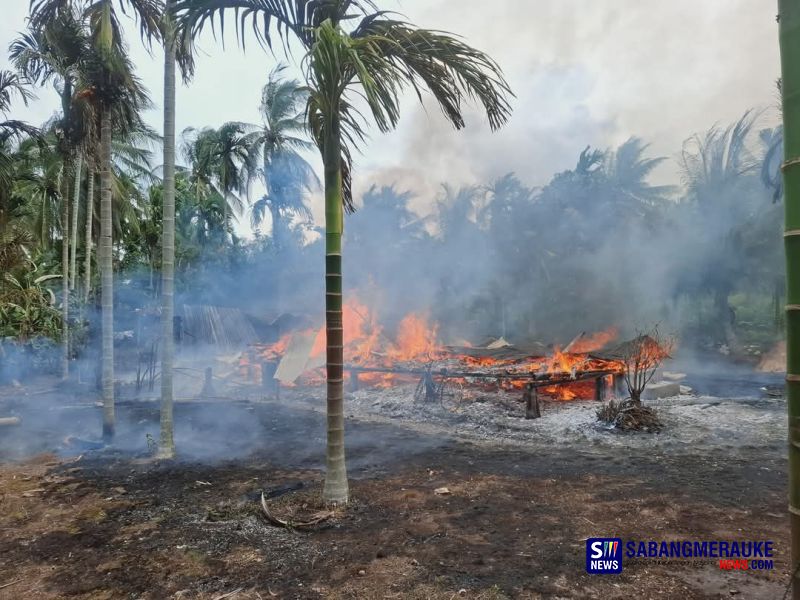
point(113, 524)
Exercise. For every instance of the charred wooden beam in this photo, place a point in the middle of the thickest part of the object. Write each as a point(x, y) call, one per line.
point(539, 379)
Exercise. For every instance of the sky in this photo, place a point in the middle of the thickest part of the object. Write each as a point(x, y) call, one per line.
point(584, 72)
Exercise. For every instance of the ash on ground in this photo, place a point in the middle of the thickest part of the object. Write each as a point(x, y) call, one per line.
point(498, 417)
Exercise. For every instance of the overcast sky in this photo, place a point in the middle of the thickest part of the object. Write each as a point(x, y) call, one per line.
point(584, 72)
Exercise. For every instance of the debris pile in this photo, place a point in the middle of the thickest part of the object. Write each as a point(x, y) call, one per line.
point(629, 415)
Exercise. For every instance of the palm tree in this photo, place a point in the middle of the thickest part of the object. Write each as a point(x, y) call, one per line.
point(131, 165)
point(279, 140)
point(176, 50)
point(16, 238)
point(76, 197)
point(91, 175)
point(789, 19)
point(222, 161)
point(771, 177)
point(712, 162)
point(39, 186)
point(628, 171)
point(377, 59)
point(52, 51)
point(715, 167)
point(11, 130)
point(116, 96)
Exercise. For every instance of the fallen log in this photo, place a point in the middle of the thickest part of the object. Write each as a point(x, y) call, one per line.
point(8, 421)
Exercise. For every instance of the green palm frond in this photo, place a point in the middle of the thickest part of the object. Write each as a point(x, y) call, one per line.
point(771, 175)
point(713, 160)
point(377, 60)
point(12, 86)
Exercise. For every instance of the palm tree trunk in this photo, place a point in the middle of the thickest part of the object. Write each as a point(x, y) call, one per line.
point(65, 270)
point(167, 442)
point(336, 489)
point(106, 274)
point(87, 261)
point(275, 213)
point(277, 282)
point(45, 231)
point(73, 265)
point(789, 16)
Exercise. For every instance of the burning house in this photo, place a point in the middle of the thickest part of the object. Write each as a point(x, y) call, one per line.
point(591, 366)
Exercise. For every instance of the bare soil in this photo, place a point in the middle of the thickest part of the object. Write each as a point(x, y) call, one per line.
point(521, 498)
point(114, 524)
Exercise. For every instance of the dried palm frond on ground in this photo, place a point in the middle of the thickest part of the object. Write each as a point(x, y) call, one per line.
point(293, 522)
point(300, 510)
point(629, 415)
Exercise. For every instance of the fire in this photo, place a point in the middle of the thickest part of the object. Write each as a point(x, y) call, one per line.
point(361, 333)
point(594, 342)
point(416, 340)
point(415, 345)
point(367, 345)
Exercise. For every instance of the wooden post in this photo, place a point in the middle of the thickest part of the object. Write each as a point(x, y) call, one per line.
point(430, 387)
point(208, 384)
point(600, 389)
point(354, 383)
point(268, 381)
point(532, 407)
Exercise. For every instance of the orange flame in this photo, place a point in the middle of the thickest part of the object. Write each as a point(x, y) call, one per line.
point(415, 341)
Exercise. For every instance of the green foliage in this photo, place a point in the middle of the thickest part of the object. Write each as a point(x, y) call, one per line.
point(27, 307)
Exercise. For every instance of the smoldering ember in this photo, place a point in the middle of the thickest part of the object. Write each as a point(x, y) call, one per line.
point(316, 299)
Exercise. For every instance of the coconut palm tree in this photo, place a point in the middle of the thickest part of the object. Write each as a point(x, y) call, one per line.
point(287, 176)
point(223, 161)
point(628, 171)
point(38, 184)
point(789, 19)
point(353, 49)
point(720, 171)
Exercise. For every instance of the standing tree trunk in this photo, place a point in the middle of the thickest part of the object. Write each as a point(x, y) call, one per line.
point(65, 270)
point(336, 489)
point(106, 274)
point(277, 242)
point(76, 196)
point(167, 442)
point(87, 260)
point(789, 18)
